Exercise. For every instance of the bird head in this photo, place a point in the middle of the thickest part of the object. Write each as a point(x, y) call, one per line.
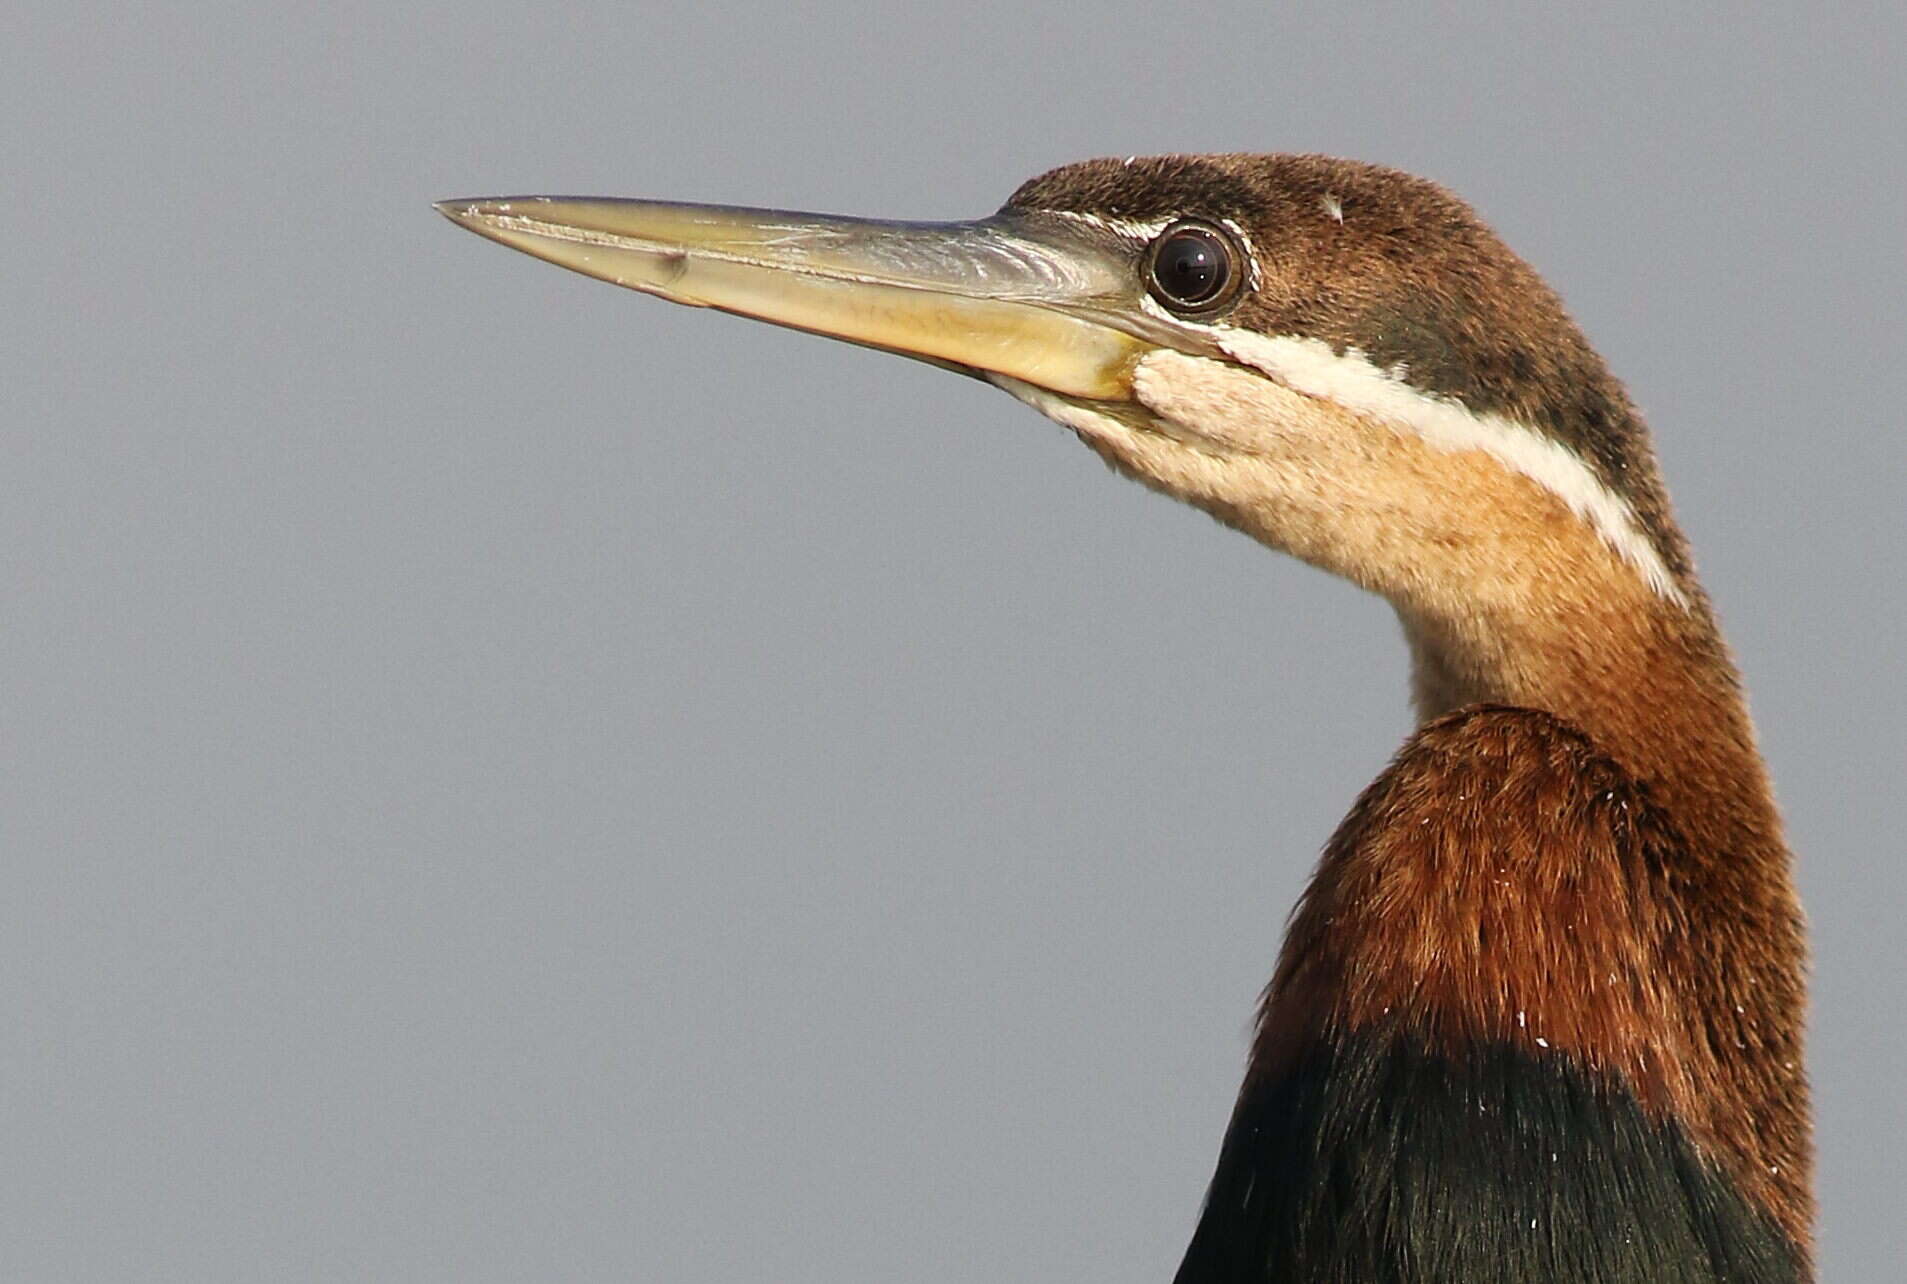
point(1338, 359)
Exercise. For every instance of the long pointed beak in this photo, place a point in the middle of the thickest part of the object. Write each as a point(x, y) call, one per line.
point(997, 296)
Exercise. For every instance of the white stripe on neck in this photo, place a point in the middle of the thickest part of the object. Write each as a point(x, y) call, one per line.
point(1352, 381)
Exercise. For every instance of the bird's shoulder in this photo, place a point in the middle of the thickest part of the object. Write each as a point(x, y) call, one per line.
point(1504, 773)
point(1474, 1062)
point(1499, 851)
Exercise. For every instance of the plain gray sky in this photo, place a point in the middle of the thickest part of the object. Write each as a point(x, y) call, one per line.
point(507, 779)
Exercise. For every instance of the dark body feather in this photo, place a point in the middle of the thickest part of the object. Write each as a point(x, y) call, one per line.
point(1368, 1160)
point(1476, 1060)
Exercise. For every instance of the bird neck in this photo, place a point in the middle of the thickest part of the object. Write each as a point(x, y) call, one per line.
point(1651, 685)
point(1648, 680)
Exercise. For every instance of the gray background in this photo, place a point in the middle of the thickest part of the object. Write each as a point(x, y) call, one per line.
point(505, 779)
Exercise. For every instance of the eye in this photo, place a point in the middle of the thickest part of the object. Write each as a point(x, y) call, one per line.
point(1193, 268)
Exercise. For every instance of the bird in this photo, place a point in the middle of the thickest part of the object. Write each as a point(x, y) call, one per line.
point(1538, 1014)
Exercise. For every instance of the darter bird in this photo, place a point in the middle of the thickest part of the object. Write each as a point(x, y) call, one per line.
point(1538, 1015)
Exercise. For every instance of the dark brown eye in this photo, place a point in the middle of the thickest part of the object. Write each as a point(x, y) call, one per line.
point(1193, 268)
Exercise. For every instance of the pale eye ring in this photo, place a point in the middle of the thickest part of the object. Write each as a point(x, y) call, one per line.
point(1193, 267)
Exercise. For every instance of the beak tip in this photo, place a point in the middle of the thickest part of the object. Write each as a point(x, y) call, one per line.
point(458, 210)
